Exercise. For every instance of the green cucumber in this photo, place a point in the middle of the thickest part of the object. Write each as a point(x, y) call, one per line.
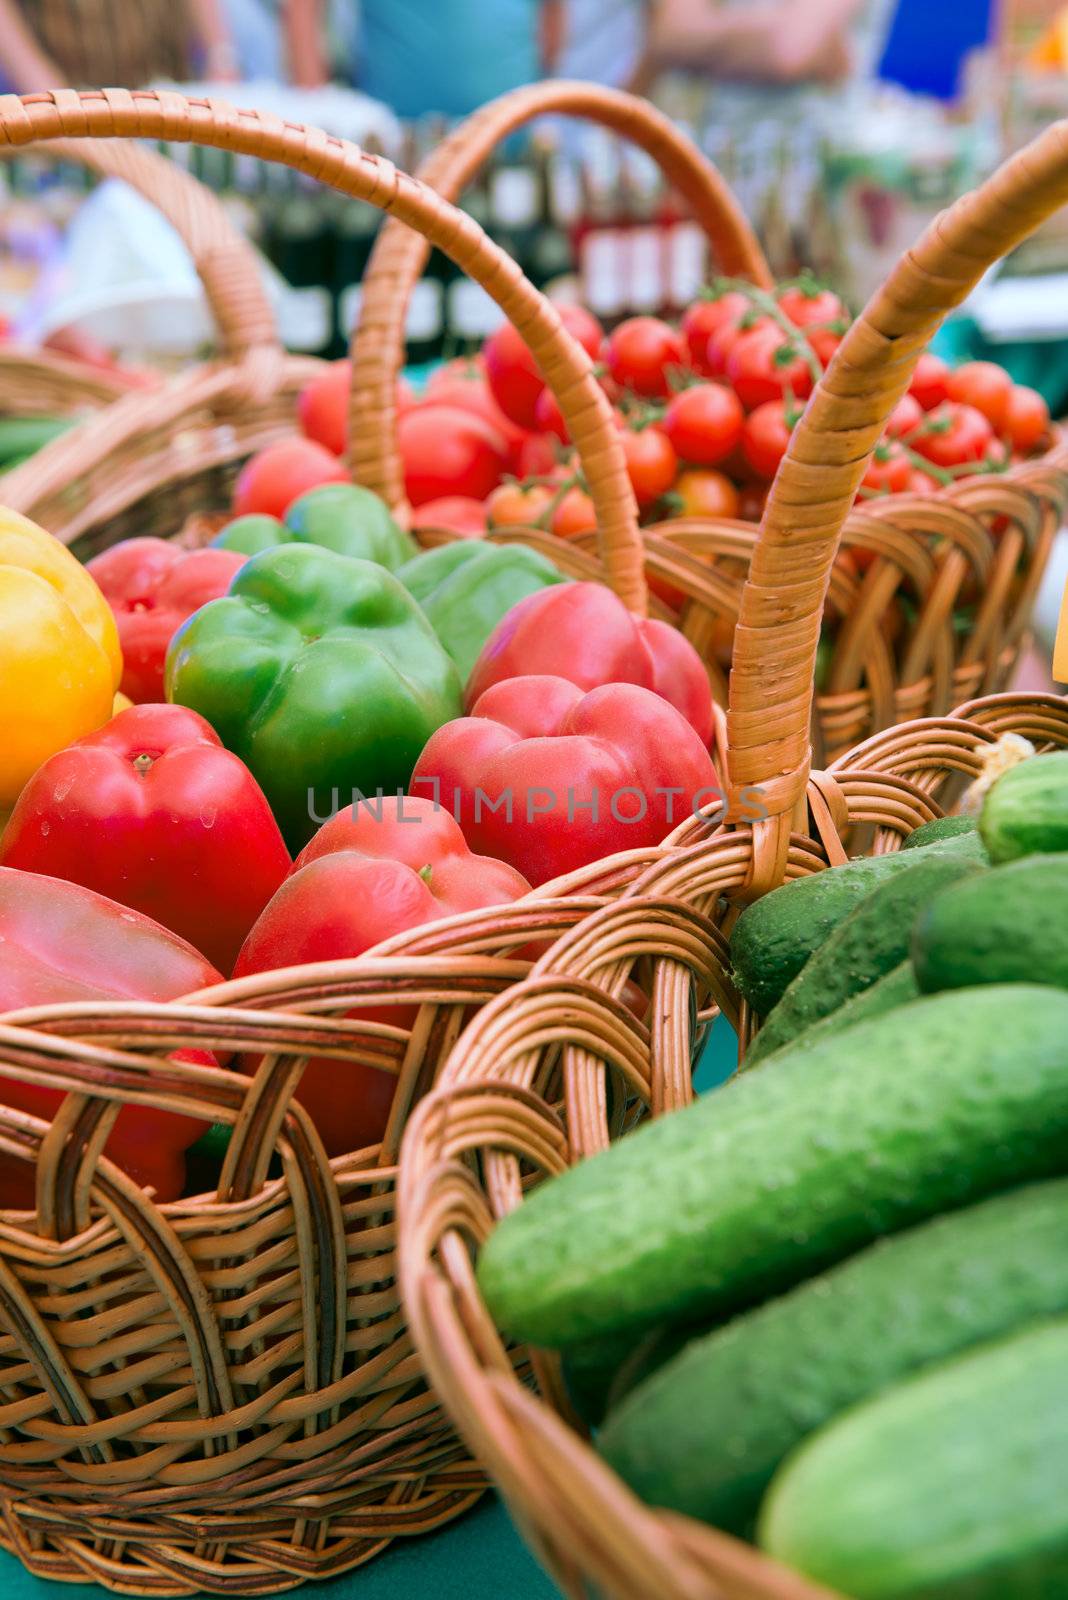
point(939, 830)
point(868, 944)
point(1010, 927)
point(950, 1486)
point(774, 937)
point(895, 988)
point(705, 1433)
point(1026, 811)
point(788, 1168)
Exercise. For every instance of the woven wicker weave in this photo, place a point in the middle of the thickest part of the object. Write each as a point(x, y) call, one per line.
point(548, 1072)
point(888, 662)
point(43, 382)
point(221, 1393)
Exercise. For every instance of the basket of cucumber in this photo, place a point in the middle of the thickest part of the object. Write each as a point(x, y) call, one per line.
point(808, 1335)
point(931, 594)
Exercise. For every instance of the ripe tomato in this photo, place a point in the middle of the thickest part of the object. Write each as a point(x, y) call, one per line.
point(954, 434)
point(929, 381)
point(273, 478)
point(906, 415)
point(921, 482)
point(406, 396)
point(1026, 418)
point(449, 451)
point(515, 377)
point(706, 317)
point(889, 470)
point(513, 505)
point(727, 336)
point(704, 423)
point(641, 353)
point(763, 365)
point(807, 304)
point(574, 515)
point(323, 407)
point(455, 511)
point(767, 435)
point(823, 342)
point(536, 456)
point(703, 492)
point(463, 383)
point(984, 385)
point(549, 418)
point(651, 463)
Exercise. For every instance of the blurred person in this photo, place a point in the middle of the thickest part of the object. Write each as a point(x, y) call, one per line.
point(429, 57)
point(769, 44)
point(51, 44)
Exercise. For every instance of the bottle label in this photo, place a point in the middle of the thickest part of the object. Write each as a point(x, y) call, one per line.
point(514, 197)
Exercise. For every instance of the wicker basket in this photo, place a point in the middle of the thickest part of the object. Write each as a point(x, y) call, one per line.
point(550, 1071)
point(888, 662)
point(221, 1393)
point(43, 382)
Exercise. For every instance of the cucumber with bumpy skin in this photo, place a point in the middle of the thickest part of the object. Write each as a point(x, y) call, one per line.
point(1026, 811)
point(776, 935)
point(872, 940)
point(898, 987)
point(1012, 927)
point(705, 1434)
point(938, 831)
point(789, 1168)
point(950, 1486)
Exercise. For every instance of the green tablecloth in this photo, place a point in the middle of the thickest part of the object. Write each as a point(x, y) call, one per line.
point(478, 1557)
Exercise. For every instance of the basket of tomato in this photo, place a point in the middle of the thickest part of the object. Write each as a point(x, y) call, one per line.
point(837, 1399)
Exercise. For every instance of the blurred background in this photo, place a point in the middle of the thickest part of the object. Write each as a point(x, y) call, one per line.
point(842, 125)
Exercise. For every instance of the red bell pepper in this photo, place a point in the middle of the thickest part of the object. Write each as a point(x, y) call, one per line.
point(584, 633)
point(372, 871)
point(550, 779)
point(63, 942)
point(153, 812)
point(152, 586)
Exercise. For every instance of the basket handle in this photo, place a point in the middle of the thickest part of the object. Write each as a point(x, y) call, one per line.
point(104, 113)
point(225, 262)
point(771, 684)
point(399, 256)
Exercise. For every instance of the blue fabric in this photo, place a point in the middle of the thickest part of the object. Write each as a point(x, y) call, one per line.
point(444, 57)
point(925, 52)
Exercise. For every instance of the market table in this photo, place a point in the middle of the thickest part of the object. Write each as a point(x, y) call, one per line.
point(479, 1557)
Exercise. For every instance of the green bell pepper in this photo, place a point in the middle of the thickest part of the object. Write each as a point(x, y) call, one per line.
point(338, 516)
point(466, 587)
point(321, 673)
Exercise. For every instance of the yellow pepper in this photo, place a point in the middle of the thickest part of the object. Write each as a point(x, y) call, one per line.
point(60, 662)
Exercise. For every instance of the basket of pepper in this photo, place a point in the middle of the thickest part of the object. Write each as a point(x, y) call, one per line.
point(817, 1320)
point(928, 604)
point(207, 1380)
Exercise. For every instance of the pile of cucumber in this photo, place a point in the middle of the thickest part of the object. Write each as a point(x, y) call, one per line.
point(826, 1307)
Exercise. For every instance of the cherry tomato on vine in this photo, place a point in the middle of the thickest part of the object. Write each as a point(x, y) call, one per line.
point(704, 423)
point(517, 505)
point(764, 365)
point(954, 434)
point(921, 482)
point(767, 435)
point(462, 383)
point(704, 492)
point(536, 456)
point(984, 385)
point(752, 500)
point(642, 353)
point(574, 515)
point(727, 336)
point(704, 318)
point(513, 374)
point(1026, 418)
point(929, 381)
point(651, 463)
point(889, 470)
point(807, 304)
point(548, 417)
point(906, 415)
